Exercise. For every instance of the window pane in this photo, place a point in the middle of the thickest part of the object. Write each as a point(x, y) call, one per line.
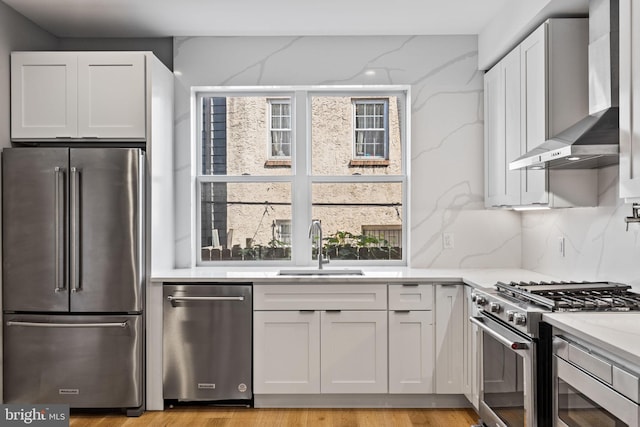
point(240, 221)
point(339, 148)
point(236, 134)
point(347, 211)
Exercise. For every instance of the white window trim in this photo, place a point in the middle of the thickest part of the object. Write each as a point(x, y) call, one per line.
point(301, 179)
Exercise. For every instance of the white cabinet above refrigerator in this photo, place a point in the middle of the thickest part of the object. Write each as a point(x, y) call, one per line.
point(85, 95)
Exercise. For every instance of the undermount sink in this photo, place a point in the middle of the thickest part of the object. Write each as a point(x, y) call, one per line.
point(323, 272)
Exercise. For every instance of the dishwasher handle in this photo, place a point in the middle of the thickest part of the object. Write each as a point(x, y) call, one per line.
point(172, 298)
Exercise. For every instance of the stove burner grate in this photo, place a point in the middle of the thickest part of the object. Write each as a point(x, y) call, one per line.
point(573, 296)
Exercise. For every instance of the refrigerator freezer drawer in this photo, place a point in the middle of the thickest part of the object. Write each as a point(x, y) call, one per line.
point(82, 361)
point(207, 342)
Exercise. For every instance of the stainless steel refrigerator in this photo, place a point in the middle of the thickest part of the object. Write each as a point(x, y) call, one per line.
point(73, 274)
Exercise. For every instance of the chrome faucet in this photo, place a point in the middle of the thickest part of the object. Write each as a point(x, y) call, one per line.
point(316, 229)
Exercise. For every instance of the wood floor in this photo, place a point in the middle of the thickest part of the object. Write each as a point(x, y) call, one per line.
point(217, 417)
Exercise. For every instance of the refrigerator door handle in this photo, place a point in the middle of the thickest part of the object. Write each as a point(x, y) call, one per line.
point(75, 232)
point(68, 325)
point(59, 229)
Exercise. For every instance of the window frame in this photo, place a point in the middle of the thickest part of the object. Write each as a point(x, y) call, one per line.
point(301, 178)
point(385, 127)
point(280, 101)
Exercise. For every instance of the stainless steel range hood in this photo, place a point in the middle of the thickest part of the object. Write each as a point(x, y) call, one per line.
point(592, 142)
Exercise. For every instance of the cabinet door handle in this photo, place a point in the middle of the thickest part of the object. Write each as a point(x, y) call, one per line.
point(307, 311)
point(413, 285)
point(333, 311)
point(402, 311)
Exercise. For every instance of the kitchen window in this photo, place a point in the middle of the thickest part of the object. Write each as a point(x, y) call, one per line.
point(253, 210)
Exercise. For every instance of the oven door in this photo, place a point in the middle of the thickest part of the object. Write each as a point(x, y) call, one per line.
point(584, 401)
point(507, 380)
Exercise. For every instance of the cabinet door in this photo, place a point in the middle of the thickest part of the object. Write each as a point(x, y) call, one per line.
point(502, 131)
point(44, 95)
point(112, 95)
point(354, 352)
point(494, 138)
point(533, 66)
point(629, 96)
point(511, 83)
point(411, 340)
point(449, 339)
point(286, 347)
point(471, 351)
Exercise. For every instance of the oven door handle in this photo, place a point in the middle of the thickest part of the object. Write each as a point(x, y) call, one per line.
point(505, 337)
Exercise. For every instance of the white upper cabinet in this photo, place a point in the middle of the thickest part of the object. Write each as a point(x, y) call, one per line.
point(44, 95)
point(502, 131)
point(111, 95)
point(533, 67)
point(84, 95)
point(629, 99)
point(536, 91)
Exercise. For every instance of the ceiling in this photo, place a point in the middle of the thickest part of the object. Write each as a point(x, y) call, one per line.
point(164, 18)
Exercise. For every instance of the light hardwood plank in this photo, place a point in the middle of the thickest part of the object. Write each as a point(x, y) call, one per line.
point(245, 417)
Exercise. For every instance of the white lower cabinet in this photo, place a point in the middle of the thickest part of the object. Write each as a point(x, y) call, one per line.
point(286, 347)
point(471, 351)
point(449, 307)
point(320, 338)
point(358, 339)
point(411, 353)
point(353, 351)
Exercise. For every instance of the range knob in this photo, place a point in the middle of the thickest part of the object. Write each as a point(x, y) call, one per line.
point(473, 297)
point(494, 307)
point(510, 314)
point(480, 300)
point(520, 319)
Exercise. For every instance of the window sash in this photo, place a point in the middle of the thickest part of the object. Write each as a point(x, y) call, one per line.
point(280, 119)
point(371, 129)
point(301, 178)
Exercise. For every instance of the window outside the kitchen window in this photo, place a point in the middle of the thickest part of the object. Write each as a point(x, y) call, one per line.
point(370, 130)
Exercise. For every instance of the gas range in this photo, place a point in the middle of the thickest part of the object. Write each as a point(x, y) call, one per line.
point(521, 304)
point(516, 347)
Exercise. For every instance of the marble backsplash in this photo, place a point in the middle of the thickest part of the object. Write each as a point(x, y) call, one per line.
point(446, 181)
point(597, 247)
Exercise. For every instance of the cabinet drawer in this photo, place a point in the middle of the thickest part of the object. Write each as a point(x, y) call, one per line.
point(320, 297)
point(410, 296)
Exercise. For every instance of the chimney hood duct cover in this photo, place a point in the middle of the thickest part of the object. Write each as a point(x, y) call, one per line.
point(592, 142)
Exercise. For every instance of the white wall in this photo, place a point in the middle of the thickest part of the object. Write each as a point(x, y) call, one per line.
point(516, 20)
point(597, 247)
point(447, 128)
point(16, 33)
point(162, 47)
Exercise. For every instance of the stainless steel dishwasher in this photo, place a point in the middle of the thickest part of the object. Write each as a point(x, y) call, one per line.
point(207, 342)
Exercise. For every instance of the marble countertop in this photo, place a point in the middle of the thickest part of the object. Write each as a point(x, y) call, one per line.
point(617, 332)
point(482, 278)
